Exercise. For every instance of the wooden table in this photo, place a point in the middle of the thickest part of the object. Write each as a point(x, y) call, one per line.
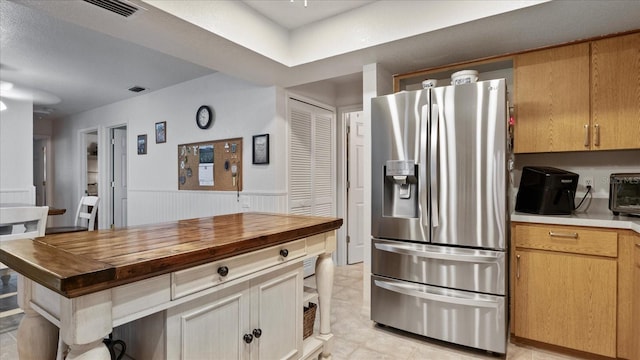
point(86, 283)
point(56, 211)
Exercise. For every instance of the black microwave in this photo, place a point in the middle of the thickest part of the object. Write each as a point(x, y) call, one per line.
point(624, 193)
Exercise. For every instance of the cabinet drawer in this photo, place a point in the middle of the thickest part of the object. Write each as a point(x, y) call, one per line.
point(577, 240)
point(192, 280)
point(136, 297)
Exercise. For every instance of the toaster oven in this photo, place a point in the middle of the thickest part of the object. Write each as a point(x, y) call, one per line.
point(624, 193)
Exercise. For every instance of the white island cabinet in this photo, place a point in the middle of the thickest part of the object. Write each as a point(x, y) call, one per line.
point(256, 319)
point(227, 287)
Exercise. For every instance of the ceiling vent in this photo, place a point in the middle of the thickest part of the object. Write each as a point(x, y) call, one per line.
point(115, 6)
point(137, 89)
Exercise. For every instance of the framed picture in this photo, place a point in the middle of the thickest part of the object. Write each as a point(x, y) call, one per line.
point(142, 144)
point(161, 132)
point(261, 149)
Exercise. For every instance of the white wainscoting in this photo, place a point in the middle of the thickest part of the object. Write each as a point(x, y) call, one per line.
point(156, 206)
point(18, 196)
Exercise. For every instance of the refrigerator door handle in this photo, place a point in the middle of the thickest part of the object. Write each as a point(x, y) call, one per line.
point(411, 290)
point(410, 249)
point(435, 215)
point(424, 214)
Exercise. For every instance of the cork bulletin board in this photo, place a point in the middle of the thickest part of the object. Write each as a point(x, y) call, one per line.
point(210, 165)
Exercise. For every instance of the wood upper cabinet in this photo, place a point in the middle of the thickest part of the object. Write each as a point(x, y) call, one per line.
point(615, 92)
point(578, 97)
point(552, 99)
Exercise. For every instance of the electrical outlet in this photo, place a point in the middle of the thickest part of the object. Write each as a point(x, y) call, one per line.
point(588, 181)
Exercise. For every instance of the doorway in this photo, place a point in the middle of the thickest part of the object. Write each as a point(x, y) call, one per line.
point(42, 170)
point(89, 169)
point(91, 141)
point(118, 177)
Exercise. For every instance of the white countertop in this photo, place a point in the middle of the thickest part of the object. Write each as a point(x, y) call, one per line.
point(596, 215)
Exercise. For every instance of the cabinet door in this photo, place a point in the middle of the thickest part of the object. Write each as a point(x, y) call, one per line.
point(566, 300)
point(552, 100)
point(615, 106)
point(210, 327)
point(636, 297)
point(276, 310)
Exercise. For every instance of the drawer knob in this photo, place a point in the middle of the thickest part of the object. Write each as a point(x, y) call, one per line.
point(257, 333)
point(223, 271)
point(284, 252)
point(248, 338)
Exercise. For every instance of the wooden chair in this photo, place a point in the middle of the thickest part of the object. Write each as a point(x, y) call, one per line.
point(24, 222)
point(32, 218)
point(87, 210)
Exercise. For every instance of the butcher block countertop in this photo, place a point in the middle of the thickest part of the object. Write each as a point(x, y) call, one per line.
point(80, 263)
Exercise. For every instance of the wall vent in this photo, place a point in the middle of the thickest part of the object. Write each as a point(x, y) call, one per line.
point(137, 88)
point(115, 6)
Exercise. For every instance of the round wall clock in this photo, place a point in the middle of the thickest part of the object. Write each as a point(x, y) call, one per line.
point(204, 116)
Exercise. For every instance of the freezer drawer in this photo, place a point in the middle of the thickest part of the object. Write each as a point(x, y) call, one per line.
point(465, 269)
point(460, 317)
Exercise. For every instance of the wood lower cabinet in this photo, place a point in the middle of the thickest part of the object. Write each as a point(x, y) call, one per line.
point(256, 319)
point(565, 287)
point(636, 300)
point(566, 300)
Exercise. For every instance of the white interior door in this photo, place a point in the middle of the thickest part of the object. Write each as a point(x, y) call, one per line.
point(119, 181)
point(40, 170)
point(355, 191)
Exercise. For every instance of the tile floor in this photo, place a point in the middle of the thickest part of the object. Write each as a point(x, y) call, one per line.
point(356, 337)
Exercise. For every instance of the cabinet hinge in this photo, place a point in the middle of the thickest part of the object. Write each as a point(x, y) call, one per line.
point(348, 239)
point(113, 184)
point(113, 141)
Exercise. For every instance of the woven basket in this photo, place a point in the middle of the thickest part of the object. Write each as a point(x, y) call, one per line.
point(309, 319)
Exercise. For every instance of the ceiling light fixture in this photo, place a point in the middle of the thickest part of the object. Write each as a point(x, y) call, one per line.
point(305, 3)
point(5, 85)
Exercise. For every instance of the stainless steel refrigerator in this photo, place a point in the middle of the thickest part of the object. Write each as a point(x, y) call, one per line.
point(439, 213)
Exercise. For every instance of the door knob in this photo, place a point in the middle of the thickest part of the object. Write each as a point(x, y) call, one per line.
point(284, 252)
point(248, 338)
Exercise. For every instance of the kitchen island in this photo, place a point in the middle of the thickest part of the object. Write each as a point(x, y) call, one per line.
point(243, 272)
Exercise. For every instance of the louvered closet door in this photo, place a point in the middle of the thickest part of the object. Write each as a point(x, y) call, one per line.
point(311, 160)
point(299, 159)
point(323, 181)
point(311, 163)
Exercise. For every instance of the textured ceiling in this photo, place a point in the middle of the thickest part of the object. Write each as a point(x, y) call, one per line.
point(89, 57)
